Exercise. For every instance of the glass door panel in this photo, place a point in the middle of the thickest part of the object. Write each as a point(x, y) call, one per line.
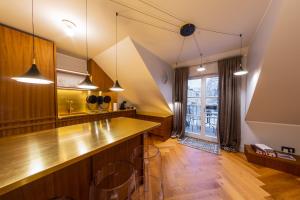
point(193, 115)
point(211, 106)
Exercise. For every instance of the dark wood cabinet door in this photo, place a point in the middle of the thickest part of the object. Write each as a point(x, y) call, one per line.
point(25, 107)
point(99, 77)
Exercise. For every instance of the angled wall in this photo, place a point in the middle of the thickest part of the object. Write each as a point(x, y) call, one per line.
point(270, 98)
point(275, 98)
point(162, 73)
point(141, 88)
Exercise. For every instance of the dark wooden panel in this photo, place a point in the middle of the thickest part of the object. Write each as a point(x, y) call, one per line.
point(25, 107)
point(164, 130)
point(99, 77)
point(74, 181)
point(119, 152)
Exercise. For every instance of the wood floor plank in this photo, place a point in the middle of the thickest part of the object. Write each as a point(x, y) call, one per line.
point(191, 174)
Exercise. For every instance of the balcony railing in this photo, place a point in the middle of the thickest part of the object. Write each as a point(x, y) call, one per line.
point(193, 123)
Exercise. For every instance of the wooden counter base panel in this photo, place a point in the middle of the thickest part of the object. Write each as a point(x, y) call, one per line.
point(73, 181)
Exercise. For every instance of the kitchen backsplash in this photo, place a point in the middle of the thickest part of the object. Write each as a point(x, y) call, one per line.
point(78, 101)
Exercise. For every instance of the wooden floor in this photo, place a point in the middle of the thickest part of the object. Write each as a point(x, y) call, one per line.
point(191, 174)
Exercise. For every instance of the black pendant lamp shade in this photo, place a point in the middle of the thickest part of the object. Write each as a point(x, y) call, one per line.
point(116, 87)
point(87, 84)
point(33, 76)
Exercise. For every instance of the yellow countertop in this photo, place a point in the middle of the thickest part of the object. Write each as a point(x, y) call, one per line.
point(28, 157)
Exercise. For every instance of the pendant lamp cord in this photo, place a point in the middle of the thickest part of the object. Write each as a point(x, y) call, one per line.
point(201, 55)
point(117, 45)
point(86, 32)
point(241, 41)
point(33, 37)
point(241, 37)
point(198, 46)
point(180, 50)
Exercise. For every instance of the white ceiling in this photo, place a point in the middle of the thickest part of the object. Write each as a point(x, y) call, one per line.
point(223, 15)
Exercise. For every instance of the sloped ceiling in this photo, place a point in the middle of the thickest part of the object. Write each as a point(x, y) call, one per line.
point(237, 16)
point(141, 88)
point(276, 97)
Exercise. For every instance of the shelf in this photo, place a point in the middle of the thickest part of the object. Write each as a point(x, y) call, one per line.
point(71, 72)
point(292, 167)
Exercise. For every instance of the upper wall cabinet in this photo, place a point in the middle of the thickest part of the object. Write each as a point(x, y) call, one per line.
point(70, 71)
point(25, 107)
point(99, 77)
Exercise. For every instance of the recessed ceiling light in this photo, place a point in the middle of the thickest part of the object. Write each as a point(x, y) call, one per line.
point(69, 27)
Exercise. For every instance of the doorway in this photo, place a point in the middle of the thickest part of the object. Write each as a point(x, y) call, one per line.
point(202, 108)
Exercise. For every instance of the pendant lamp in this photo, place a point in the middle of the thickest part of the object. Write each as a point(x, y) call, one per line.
point(116, 87)
point(241, 71)
point(33, 75)
point(201, 68)
point(86, 83)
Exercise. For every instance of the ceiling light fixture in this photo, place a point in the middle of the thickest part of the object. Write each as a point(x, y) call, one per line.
point(201, 68)
point(33, 75)
point(69, 27)
point(241, 71)
point(86, 83)
point(116, 87)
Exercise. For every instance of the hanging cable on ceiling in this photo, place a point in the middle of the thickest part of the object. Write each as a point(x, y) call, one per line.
point(144, 13)
point(171, 15)
point(163, 11)
point(186, 30)
point(146, 23)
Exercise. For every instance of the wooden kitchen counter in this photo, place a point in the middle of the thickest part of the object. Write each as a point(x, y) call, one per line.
point(29, 157)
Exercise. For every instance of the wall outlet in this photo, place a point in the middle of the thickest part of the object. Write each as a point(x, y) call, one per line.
point(290, 150)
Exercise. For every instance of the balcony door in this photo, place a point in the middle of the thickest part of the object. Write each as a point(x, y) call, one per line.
point(202, 108)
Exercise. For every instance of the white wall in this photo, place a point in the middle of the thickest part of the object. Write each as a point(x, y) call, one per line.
point(161, 72)
point(272, 134)
point(141, 89)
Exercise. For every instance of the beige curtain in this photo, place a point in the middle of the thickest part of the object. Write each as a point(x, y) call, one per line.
point(229, 126)
point(181, 87)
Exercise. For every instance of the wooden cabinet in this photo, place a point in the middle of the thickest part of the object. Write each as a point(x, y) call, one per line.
point(67, 121)
point(25, 107)
point(164, 130)
point(99, 77)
